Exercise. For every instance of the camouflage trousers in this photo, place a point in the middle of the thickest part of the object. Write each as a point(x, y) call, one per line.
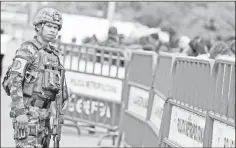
point(37, 135)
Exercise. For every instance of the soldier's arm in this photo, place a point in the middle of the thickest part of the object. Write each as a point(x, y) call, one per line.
point(23, 56)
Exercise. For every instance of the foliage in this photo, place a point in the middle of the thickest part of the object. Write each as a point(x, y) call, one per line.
point(186, 18)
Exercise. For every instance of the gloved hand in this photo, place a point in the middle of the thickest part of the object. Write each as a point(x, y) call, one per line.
point(66, 93)
point(22, 121)
point(62, 119)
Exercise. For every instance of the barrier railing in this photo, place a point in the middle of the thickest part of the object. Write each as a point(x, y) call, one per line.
point(160, 91)
point(161, 101)
point(191, 81)
point(191, 103)
point(221, 116)
point(139, 82)
point(96, 77)
point(184, 126)
point(163, 74)
point(191, 118)
point(223, 88)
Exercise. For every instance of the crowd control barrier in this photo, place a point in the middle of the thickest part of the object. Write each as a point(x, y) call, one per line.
point(139, 82)
point(187, 106)
point(223, 88)
point(221, 116)
point(191, 81)
point(159, 94)
point(191, 102)
point(96, 77)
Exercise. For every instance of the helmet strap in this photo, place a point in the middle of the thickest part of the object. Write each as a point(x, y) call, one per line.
point(40, 35)
point(41, 30)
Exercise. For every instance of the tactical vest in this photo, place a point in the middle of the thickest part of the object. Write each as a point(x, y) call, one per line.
point(42, 76)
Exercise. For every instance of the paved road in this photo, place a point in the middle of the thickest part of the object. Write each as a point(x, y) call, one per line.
point(70, 138)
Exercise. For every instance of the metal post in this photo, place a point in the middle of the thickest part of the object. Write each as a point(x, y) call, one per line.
point(110, 12)
point(33, 7)
point(165, 123)
point(207, 141)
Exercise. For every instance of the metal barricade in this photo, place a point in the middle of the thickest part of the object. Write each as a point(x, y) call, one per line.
point(200, 114)
point(185, 111)
point(191, 81)
point(223, 88)
point(96, 77)
point(191, 102)
point(182, 126)
point(221, 115)
point(139, 83)
point(160, 92)
point(163, 74)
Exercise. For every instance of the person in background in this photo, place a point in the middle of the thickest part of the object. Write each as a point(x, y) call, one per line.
point(121, 38)
point(149, 47)
point(94, 39)
point(112, 39)
point(184, 45)
point(73, 40)
point(202, 49)
point(219, 49)
point(154, 39)
point(232, 47)
point(212, 25)
point(230, 41)
point(90, 40)
point(191, 51)
point(163, 48)
point(197, 47)
point(208, 41)
point(150, 42)
point(113, 34)
point(3, 50)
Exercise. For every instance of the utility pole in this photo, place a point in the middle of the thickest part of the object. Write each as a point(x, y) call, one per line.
point(111, 12)
point(33, 7)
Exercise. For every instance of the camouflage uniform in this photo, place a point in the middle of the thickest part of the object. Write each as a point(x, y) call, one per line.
point(33, 82)
point(113, 38)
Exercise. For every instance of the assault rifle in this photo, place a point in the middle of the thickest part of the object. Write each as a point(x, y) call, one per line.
point(58, 120)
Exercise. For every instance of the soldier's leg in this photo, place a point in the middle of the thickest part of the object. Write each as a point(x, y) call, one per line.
point(46, 135)
point(46, 141)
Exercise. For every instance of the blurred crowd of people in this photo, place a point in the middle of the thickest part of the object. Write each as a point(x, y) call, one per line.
point(199, 46)
point(196, 47)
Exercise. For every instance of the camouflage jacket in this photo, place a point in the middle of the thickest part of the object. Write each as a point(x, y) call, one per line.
point(25, 55)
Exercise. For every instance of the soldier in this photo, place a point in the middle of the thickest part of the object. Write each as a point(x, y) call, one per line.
point(113, 38)
point(34, 80)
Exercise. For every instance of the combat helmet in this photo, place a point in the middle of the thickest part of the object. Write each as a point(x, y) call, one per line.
point(112, 31)
point(48, 15)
